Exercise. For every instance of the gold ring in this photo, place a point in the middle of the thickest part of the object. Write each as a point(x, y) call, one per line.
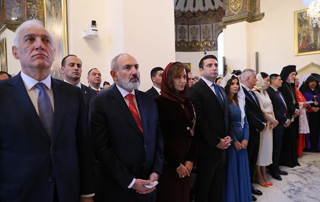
point(183, 176)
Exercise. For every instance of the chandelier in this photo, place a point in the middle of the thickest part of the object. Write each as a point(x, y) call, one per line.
point(314, 13)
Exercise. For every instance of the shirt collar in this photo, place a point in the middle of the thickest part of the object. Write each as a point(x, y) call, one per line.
point(209, 83)
point(30, 82)
point(79, 84)
point(123, 92)
point(157, 89)
point(248, 89)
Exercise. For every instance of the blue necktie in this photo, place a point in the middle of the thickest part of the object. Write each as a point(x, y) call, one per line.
point(254, 98)
point(216, 89)
point(45, 108)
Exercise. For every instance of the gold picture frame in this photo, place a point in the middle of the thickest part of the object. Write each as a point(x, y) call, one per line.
point(55, 12)
point(3, 55)
point(305, 42)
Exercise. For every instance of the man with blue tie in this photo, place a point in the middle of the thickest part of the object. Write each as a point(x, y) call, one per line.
point(44, 150)
point(126, 134)
point(213, 130)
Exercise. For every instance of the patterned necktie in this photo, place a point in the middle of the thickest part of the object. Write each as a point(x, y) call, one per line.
point(254, 97)
point(45, 108)
point(216, 89)
point(134, 110)
point(285, 107)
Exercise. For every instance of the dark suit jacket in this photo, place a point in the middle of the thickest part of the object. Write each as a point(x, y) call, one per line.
point(278, 107)
point(255, 116)
point(123, 151)
point(152, 92)
point(88, 94)
point(212, 120)
point(32, 164)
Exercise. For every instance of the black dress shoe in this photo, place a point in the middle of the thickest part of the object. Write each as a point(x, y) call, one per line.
point(281, 172)
point(255, 191)
point(254, 198)
point(276, 176)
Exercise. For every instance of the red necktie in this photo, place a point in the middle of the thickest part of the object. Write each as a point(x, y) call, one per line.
point(98, 91)
point(285, 108)
point(134, 110)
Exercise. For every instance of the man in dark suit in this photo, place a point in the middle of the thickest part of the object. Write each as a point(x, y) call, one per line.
point(71, 67)
point(257, 122)
point(127, 138)
point(156, 77)
point(281, 114)
point(213, 130)
point(94, 80)
point(45, 155)
point(289, 155)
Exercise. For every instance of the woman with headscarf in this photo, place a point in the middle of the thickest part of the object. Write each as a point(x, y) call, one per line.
point(311, 92)
point(266, 137)
point(238, 184)
point(177, 119)
point(303, 120)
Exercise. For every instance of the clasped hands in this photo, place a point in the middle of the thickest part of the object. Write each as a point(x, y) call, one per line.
point(224, 143)
point(242, 145)
point(139, 184)
point(185, 170)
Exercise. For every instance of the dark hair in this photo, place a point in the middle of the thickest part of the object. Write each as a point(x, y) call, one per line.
point(227, 89)
point(236, 72)
point(264, 75)
point(174, 71)
point(63, 61)
point(155, 70)
point(3, 72)
point(91, 71)
point(217, 79)
point(206, 57)
point(106, 82)
point(273, 77)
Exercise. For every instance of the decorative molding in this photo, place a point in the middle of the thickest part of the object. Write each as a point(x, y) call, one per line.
point(246, 16)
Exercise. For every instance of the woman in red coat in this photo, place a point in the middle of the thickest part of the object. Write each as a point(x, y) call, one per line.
point(177, 119)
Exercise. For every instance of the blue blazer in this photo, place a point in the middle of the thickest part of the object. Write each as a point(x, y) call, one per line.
point(32, 165)
point(123, 151)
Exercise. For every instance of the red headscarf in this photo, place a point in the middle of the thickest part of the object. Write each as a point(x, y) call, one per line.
point(170, 93)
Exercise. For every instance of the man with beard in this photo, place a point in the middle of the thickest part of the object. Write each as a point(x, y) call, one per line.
point(311, 92)
point(289, 156)
point(126, 135)
point(213, 130)
point(71, 68)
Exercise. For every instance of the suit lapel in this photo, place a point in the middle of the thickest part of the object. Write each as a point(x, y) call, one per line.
point(60, 100)
point(120, 104)
point(249, 97)
point(17, 91)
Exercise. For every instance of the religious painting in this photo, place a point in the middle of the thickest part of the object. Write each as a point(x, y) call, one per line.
point(188, 65)
point(56, 23)
point(3, 55)
point(306, 39)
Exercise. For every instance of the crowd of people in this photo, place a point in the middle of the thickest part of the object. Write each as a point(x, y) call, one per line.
point(185, 139)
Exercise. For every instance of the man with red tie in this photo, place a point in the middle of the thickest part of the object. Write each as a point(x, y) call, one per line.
point(126, 135)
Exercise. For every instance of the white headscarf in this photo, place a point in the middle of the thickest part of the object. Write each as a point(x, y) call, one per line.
point(260, 85)
point(240, 94)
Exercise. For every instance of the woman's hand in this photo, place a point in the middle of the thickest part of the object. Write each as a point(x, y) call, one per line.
point(182, 171)
point(244, 144)
point(237, 145)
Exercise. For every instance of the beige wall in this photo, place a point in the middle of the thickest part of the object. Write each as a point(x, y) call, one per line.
point(123, 27)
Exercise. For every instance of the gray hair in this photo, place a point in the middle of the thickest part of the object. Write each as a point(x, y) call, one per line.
point(114, 64)
point(28, 24)
point(246, 74)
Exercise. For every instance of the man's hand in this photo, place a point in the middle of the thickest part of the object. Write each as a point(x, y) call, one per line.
point(315, 109)
point(287, 124)
point(140, 188)
point(265, 127)
point(224, 143)
point(86, 199)
point(154, 177)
